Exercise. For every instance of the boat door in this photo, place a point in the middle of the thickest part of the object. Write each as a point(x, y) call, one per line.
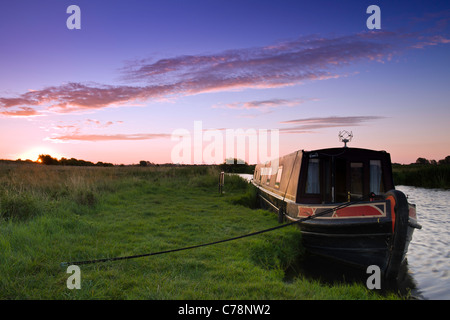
point(349, 180)
point(355, 178)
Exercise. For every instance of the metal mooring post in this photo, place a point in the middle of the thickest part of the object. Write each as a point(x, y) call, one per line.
point(221, 181)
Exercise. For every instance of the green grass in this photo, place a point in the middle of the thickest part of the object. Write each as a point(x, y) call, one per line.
point(50, 215)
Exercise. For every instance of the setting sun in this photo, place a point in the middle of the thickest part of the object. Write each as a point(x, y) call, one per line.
point(33, 154)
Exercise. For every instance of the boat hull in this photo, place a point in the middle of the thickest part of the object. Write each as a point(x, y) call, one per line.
point(360, 244)
point(369, 233)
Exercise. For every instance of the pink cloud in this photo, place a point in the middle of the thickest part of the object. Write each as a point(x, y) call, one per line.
point(73, 97)
point(265, 67)
point(22, 112)
point(431, 41)
point(99, 124)
point(308, 124)
point(263, 104)
point(310, 58)
point(108, 137)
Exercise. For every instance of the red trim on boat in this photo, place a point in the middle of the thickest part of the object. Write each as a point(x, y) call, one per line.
point(367, 210)
point(358, 211)
point(392, 200)
point(306, 211)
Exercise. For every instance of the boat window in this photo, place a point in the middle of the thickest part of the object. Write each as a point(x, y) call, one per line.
point(279, 173)
point(312, 179)
point(268, 179)
point(376, 185)
point(356, 179)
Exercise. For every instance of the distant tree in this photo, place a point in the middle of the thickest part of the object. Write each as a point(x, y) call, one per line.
point(48, 160)
point(104, 164)
point(75, 162)
point(143, 163)
point(422, 161)
point(445, 161)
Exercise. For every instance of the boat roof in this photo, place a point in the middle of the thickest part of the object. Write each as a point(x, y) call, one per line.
point(341, 150)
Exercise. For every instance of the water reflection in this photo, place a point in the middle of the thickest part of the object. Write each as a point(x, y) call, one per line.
point(428, 253)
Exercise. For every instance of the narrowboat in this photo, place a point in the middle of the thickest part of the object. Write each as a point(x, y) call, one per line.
point(345, 202)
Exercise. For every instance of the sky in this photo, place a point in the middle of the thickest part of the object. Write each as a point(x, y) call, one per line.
point(154, 80)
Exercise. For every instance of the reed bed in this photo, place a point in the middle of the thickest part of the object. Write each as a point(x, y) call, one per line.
point(425, 176)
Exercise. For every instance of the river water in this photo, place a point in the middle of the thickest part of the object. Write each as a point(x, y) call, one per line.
point(429, 252)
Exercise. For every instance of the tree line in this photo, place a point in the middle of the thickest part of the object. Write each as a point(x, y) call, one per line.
point(446, 160)
point(49, 160)
point(234, 166)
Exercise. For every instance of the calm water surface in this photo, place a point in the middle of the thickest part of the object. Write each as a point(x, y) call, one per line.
point(429, 254)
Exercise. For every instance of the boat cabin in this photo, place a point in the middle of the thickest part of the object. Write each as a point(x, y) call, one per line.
point(323, 176)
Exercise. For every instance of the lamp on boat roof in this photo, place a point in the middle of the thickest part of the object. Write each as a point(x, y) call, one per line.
point(345, 136)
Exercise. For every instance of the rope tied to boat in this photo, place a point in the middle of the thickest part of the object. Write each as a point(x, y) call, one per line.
point(341, 206)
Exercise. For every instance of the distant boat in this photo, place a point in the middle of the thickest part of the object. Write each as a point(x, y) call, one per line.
point(357, 215)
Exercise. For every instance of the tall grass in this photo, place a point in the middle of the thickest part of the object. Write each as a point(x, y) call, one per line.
point(27, 191)
point(426, 176)
point(50, 215)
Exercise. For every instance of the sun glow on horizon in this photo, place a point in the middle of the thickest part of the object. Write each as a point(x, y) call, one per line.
point(33, 154)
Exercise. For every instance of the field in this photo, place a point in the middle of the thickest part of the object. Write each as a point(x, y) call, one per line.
point(54, 214)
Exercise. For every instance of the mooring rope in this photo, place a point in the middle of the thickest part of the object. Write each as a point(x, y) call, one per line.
point(346, 204)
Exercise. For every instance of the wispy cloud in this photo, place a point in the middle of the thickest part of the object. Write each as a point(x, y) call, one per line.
point(63, 131)
point(75, 97)
point(308, 125)
point(431, 41)
point(21, 112)
point(99, 124)
point(309, 58)
point(282, 64)
point(263, 105)
point(107, 137)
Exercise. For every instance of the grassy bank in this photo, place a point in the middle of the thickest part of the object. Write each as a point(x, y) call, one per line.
point(55, 214)
point(422, 175)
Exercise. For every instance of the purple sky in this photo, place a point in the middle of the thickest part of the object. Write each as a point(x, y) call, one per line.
point(136, 71)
